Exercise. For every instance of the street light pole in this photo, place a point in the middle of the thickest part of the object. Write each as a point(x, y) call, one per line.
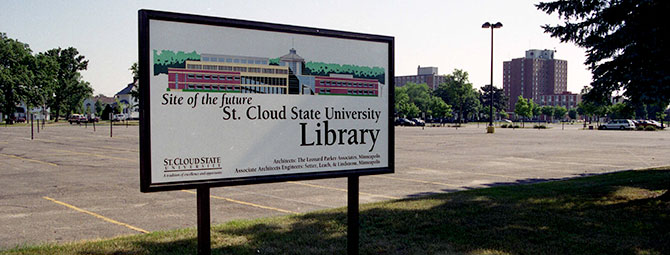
point(492, 26)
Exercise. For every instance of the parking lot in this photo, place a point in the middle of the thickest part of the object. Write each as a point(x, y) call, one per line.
point(73, 183)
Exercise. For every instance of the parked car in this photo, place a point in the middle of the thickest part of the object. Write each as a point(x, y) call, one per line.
point(20, 119)
point(645, 123)
point(404, 122)
point(506, 121)
point(134, 116)
point(656, 124)
point(418, 122)
point(92, 119)
point(618, 124)
point(77, 118)
point(119, 117)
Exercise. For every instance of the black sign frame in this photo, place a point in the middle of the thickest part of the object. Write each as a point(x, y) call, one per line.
point(145, 118)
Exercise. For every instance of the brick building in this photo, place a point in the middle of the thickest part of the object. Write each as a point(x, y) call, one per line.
point(566, 99)
point(535, 75)
point(427, 75)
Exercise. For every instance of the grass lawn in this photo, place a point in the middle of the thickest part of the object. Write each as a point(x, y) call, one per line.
point(617, 213)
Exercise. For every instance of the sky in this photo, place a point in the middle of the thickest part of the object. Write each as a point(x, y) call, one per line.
point(444, 34)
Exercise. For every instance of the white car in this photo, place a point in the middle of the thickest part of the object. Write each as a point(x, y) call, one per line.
point(119, 117)
point(418, 122)
point(619, 124)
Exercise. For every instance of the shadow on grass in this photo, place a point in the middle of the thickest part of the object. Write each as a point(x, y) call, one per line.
point(614, 213)
point(603, 214)
point(528, 181)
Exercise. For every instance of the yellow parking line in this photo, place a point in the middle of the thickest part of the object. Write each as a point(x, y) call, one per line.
point(44, 140)
point(343, 190)
point(102, 147)
point(96, 215)
point(246, 203)
point(414, 180)
point(97, 155)
point(114, 148)
point(461, 172)
point(27, 159)
point(59, 154)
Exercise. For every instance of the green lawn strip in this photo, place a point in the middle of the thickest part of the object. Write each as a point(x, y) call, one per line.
point(123, 123)
point(615, 213)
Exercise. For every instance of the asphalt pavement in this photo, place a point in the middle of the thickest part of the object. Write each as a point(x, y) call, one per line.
point(73, 183)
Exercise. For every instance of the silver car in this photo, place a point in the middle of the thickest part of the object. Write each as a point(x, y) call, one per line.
point(619, 124)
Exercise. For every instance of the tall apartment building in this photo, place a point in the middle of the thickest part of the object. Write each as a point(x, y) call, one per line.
point(535, 75)
point(427, 75)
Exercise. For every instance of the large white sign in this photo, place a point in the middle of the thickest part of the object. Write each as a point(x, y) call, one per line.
point(229, 104)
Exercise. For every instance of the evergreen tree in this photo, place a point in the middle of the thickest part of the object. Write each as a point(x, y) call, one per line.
point(626, 44)
point(499, 98)
point(572, 113)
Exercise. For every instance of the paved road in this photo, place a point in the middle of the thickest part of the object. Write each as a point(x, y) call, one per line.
point(71, 183)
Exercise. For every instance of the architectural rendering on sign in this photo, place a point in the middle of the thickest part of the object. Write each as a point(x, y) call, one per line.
point(288, 74)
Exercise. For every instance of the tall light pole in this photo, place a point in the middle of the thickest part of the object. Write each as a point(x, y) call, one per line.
point(490, 129)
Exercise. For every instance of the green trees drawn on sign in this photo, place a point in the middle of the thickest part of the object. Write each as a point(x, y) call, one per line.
point(167, 58)
point(364, 72)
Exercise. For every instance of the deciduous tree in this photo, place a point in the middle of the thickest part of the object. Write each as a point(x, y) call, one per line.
point(69, 65)
point(534, 108)
point(621, 111)
point(419, 95)
point(458, 92)
point(44, 70)
point(403, 106)
point(77, 91)
point(438, 108)
point(559, 112)
point(15, 73)
point(548, 111)
point(523, 109)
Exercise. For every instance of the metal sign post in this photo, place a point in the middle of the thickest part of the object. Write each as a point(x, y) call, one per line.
point(32, 133)
point(204, 222)
point(110, 124)
point(353, 226)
